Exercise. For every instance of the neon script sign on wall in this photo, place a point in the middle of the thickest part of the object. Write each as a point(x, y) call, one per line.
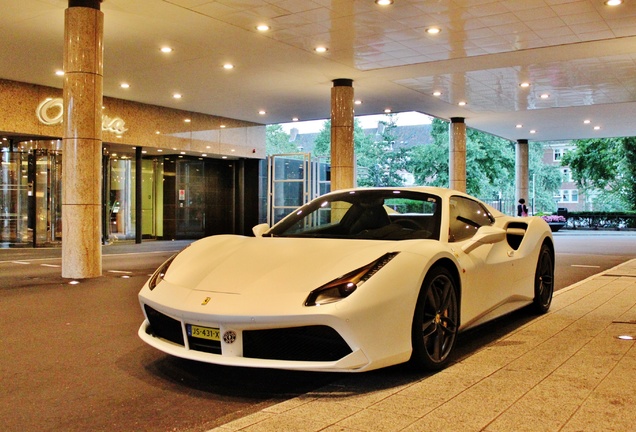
point(50, 113)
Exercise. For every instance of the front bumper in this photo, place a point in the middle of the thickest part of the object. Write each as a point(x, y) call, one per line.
point(299, 347)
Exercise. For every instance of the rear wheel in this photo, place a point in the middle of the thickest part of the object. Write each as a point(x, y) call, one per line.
point(435, 321)
point(544, 280)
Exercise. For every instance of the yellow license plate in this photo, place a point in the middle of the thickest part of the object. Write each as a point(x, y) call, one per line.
point(204, 333)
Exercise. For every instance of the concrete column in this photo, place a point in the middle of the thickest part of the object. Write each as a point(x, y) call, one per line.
point(522, 172)
point(82, 141)
point(457, 154)
point(342, 152)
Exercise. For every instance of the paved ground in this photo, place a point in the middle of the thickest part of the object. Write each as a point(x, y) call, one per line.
point(565, 371)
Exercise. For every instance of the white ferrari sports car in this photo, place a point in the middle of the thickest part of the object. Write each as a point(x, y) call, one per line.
point(352, 281)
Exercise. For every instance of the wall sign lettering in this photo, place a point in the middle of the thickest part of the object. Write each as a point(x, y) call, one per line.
point(50, 113)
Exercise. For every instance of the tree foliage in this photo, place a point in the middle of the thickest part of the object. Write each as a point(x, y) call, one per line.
point(277, 140)
point(490, 166)
point(606, 165)
point(378, 163)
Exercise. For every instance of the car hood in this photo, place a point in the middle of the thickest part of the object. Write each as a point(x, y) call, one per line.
point(238, 265)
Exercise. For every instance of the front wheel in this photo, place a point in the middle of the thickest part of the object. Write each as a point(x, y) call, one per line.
point(435, 321)
point(544, 280)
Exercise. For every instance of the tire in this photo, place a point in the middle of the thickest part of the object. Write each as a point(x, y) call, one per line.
point(435, 321)
point(544, 280)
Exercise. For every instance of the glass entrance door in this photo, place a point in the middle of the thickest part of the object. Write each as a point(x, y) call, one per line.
point(14, 198)
point(289, 184)
point(47, 197)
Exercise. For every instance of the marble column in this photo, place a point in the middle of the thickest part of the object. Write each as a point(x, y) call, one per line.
point(521, 171)
point(82, 141)
point(342, 152)
point(457, 154)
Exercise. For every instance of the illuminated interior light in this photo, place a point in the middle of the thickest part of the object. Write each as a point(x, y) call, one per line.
point(433, 30)
point(166, 49)
point(321, 49)
point(262, 27)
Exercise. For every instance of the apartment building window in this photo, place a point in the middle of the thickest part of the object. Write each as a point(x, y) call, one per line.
point(569, 196)
point(558, 154)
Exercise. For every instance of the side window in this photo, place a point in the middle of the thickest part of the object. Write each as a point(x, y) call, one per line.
point(466, 217)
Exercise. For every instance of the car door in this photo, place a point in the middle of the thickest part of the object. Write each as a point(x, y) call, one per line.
point(487, 271)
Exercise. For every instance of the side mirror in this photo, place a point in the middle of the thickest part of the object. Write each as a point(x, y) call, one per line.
point(485, 235)
point(260, 229)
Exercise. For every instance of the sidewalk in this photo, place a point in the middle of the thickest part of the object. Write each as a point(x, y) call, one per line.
point(564, 371)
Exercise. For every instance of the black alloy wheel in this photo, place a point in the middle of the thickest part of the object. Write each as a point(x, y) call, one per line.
point(435, 322)
point(544, 280)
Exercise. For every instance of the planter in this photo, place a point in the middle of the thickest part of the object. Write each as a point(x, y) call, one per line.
point(555, 226)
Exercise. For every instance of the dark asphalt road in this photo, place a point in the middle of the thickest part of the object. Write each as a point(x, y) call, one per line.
point(70, 358)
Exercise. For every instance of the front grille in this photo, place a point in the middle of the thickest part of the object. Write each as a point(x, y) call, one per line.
point(163, 326)
point(311, 343)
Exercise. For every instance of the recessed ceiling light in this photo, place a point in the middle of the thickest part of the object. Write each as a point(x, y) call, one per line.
point(613, 2)
point(321, 49)
point(177, 95)
point(433, 30)
point(187, 120)
point(384, 2)
point(262, 112)
point(437, 93)
point(597, 128)
point(462, 103)
point(159, 150)
point(222, 126)
point(357, 102)
point(533, 131)
point(166, 49)
point(262, 27)
point(519, 126)
point(124, 85)
point(587, 121)
point(295, 119)
point(544, 96)
point(59, 72)
point(228, 66)
point(387, 110)
point(524, 84)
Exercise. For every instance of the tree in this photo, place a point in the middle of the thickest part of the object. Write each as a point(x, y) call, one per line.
point(378, 164)
point(545, 180)
point(605, 166)
point(277, 140)
point(490, 167)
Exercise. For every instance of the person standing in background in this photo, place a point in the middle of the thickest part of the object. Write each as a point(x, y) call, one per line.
point(522, 210)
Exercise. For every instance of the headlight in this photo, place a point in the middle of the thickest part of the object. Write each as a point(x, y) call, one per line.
point(345, 285)
point(160, 272)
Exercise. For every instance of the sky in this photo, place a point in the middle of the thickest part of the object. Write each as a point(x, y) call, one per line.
point(410, 118)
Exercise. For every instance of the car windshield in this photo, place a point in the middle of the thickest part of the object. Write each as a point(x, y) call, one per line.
point(366, 214)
